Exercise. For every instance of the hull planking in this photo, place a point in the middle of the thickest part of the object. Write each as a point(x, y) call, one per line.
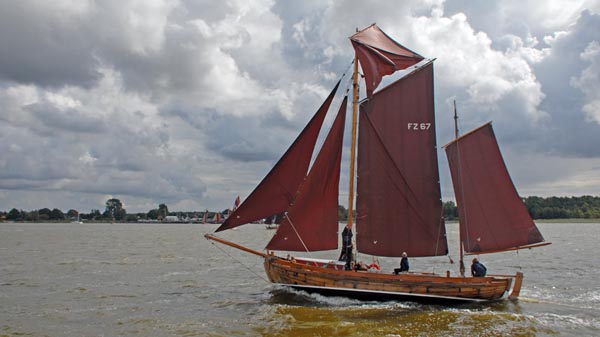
point(381, 286)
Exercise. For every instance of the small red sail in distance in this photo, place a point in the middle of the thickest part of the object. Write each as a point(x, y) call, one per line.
point(236, 204)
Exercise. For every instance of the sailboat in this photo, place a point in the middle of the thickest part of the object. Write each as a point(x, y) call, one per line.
point(273, 221)
point(398, 201)
point(78, 220)
point(217, 218)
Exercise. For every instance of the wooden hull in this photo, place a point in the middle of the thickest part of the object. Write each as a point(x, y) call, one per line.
point(381, 286)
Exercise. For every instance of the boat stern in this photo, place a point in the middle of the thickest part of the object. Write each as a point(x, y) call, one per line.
point(516, 290)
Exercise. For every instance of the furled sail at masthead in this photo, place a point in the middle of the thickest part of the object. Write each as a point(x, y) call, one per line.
point(379, 55)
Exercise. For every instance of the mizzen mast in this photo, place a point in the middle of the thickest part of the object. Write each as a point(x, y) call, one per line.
point(460, 241)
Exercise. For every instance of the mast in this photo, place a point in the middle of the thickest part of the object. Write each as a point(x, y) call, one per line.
point(353, 142)
point(460, 244)
point(455, 122)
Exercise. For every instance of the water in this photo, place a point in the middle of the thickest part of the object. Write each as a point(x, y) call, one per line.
point(167, 280)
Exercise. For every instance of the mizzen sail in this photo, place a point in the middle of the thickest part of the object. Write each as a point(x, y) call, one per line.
point(492, 215)
point(277, 190)
point(399, 206)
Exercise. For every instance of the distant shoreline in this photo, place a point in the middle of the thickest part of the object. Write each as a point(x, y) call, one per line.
point(583, 220)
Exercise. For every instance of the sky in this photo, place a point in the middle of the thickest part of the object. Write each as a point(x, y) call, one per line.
point(190, 103)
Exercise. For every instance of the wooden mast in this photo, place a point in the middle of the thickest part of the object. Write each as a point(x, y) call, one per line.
point(460, 244)
point(353, 142)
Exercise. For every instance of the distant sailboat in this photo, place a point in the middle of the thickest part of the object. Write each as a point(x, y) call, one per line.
point(217, 218)
point(78, 220)
point(236, 203)
point(274, 220)
point(399, 207)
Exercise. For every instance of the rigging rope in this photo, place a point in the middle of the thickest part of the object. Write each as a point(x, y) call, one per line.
point(240, 262)
point(298, 235)
point(349, 80)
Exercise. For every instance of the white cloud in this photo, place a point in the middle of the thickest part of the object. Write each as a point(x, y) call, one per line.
point(191, 102)
point(589, 82)
point(466, 58)
point(137, 26)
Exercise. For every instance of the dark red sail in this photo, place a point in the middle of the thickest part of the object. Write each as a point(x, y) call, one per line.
point(399, 207)
point(311, 223)
point(379, 55)
point(492, 215)
point(277, 190)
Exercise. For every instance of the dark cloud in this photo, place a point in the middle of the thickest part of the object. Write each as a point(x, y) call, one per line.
point(192, 102)
point(43, 48)
point(568, 132)
point(60, 120)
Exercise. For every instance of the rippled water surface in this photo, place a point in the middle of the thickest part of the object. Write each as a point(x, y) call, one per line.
point(167, 280)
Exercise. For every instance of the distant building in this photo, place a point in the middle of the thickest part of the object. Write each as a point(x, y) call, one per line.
point(171, 218)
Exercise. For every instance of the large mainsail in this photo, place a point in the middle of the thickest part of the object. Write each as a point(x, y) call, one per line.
point(380, 55)
point(399, 206)
point(492, 215)
point(311, 223)
point(277, 190)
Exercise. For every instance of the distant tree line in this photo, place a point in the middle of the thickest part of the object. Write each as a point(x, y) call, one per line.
point(343, 213)
point(585, 207)
point(113, 211)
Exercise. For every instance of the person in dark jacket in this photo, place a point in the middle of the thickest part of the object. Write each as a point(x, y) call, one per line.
point(478, 269)
point(346, 253)
point(403, 264)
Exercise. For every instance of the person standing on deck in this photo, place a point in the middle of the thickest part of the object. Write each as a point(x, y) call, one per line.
point(346, 254)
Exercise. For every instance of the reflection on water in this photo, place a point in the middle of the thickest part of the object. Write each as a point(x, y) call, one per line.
point(166, 280)
point(295, 313)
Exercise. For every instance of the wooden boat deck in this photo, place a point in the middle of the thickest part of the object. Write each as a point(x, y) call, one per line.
point(360, 284)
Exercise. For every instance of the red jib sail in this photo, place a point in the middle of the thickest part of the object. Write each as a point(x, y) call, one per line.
point(399, 206)
point(277, 190)
point(492, 215)
point(311, 223)
point(379, 55)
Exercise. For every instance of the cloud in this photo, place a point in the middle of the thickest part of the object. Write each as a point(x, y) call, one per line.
point(487, 80)
point(45, 44)
point(102, 140)
point(524, 19)
point(589, 82)
point(191, 102)
point(568, 84)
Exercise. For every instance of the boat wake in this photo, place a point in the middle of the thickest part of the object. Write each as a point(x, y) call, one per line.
point(290, 296)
